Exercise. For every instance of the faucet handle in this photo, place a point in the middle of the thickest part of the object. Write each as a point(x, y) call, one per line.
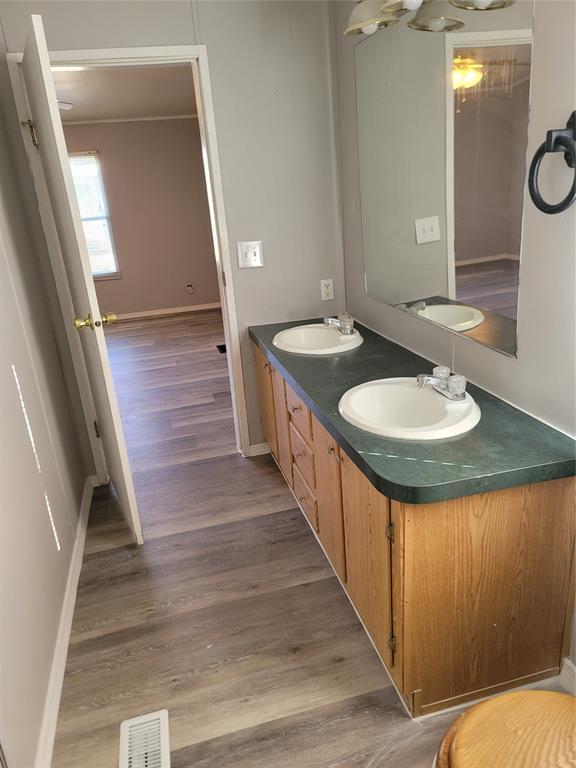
point(457, 385)
point(346, 322)
point(441, 372)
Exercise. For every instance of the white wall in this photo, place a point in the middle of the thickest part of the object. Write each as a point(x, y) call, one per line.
point(542, 380)
point(271, 80)
point(41, 472)
point(401, 117)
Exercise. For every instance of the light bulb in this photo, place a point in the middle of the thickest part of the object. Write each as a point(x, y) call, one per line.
point(369, 29)
point(437, 25)
point(413, 5)
point(482, 4)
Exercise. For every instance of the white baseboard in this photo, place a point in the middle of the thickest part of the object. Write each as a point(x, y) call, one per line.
point(257, 449)
point(167, 311)
point(568, 676)
point(56, 680)
point(484, 259)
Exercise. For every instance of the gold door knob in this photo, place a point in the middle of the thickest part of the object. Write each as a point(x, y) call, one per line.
point(109, 317)
point(85, 322)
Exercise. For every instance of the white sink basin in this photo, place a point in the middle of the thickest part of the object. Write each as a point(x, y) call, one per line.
point(457, 317)
point(316, 339)
point(398, 408)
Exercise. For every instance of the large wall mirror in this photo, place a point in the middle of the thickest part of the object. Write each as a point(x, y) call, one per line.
point(442, 131)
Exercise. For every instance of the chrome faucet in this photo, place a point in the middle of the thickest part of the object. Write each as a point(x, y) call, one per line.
point(344, 323)
point(415, 308)
point(452, 386)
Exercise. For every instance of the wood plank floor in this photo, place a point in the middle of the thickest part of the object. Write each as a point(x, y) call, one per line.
point(229, 616)
point(490, 285)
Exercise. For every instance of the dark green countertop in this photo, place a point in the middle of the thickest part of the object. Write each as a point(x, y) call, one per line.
point(507, 448)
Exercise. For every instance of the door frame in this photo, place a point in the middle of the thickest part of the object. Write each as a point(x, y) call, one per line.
point(455, 40)
point(197, 57)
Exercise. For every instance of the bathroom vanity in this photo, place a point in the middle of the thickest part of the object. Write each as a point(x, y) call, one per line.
point(456, 555)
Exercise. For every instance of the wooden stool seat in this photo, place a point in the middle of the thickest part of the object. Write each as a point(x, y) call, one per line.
point(525, 729)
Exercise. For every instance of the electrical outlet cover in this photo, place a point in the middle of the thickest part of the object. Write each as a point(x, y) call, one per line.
point(327, 289)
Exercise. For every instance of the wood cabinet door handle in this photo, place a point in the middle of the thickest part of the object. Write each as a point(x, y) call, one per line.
point(295, 408)
point(302, 498)
point(333, 452)
point(298, 455)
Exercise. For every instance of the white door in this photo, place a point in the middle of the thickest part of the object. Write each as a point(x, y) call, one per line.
point(45, 116)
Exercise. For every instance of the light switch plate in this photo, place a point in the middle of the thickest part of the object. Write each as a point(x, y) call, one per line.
point(250, 254)
point(427, 230)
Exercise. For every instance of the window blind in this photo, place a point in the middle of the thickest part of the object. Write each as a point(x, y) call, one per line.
point(91, 198)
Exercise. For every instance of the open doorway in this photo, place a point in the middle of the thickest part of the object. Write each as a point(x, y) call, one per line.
point(135, 152)
point(491, 103)
point(65, 229)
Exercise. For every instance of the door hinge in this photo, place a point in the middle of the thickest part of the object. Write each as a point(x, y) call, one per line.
point(390, 532)
point(392, 643)
point(32, 130)
point(224, 279)
point(97, 429)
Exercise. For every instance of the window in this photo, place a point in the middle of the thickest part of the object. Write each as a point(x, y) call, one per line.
point(94, 214)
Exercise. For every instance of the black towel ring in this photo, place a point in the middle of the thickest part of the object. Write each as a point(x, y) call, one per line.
point(563, 140)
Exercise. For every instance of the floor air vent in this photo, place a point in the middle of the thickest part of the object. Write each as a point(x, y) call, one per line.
point(145, 741)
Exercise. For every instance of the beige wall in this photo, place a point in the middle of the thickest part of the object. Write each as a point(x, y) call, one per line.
point(154, 180)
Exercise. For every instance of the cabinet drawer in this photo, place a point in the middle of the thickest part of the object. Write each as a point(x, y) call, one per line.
point(299, 414)
point(305, 497)
point(303, 456)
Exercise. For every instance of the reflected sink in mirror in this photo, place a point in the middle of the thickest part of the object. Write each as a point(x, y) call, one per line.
point(316, 339)
point(457, 317)
point(398, 408)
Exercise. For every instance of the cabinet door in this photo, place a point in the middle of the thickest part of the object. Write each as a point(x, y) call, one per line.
point(305, 497)
point(486, 591)
point(282, 426)
point(299, 414)
point(264, 374)
point(329, 497)
point(368, 580)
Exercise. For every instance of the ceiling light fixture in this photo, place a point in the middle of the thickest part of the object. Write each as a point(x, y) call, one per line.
point(435, 16)
point(412, 5)
point(368, 16)
point(481, 5)
point(466, 73)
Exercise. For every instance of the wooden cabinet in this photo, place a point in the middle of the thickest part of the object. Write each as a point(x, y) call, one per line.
point(284, 456)
point(306, 498)
point(329, 497)
point(264, 375)
point(299, 414)
point(303, 456)
point(461, 598)
point(486, 591)
point(366, 526)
